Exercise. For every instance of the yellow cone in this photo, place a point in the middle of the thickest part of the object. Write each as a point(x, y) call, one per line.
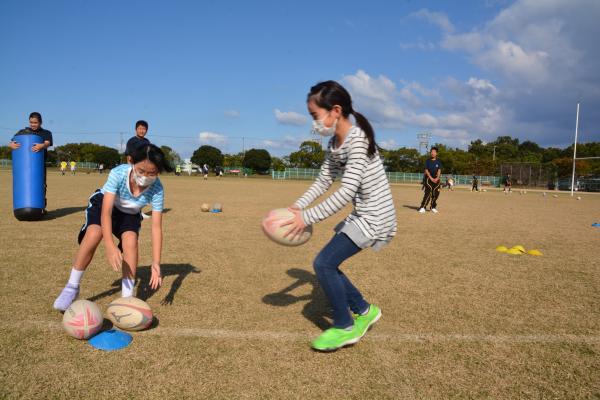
point(520, 248)
point(514, 251)
point(502, 249)
point(534, 252)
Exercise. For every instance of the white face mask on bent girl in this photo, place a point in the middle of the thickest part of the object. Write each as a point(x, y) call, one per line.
point(319, 127)
point(143, 180)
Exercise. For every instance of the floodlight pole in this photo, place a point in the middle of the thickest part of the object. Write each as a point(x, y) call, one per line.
point(575, 150)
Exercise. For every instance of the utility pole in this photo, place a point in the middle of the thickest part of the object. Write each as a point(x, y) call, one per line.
point(575, 150)
point(494, 155)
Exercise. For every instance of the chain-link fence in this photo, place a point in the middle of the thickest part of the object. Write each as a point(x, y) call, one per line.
point(529, 174)
point(393, 177)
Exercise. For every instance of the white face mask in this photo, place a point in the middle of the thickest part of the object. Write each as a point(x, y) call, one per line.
point(319, 127)
point(143, 180)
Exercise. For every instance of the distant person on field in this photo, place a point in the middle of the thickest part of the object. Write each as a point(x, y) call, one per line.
point(101, 168)
point(178, 170)
point(508, 183)
point(449, 182)
point(63, 167)
point(115, 210)
point(475, 186)
point(205, 171)
point(141, 129)
point(35, 128)
point(73, 166)
point(433, 172)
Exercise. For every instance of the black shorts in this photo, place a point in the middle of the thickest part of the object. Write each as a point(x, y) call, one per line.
point(121, 222)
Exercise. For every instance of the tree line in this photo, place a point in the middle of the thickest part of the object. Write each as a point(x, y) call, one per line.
point(479, 158)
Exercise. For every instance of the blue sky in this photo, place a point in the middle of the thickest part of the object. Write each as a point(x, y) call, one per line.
point(212, 72)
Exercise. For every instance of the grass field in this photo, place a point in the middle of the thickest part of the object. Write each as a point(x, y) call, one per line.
point(236, 312)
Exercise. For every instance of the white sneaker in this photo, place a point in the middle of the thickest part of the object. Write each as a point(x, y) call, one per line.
point(433, 210)
point(145, 216)
point(422, 210)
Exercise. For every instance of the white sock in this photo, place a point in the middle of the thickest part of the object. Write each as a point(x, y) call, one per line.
point(75, 277)
point(127, 287)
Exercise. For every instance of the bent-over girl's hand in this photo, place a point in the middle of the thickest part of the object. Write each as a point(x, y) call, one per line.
point(155, 276)
point(115, 258)
point(296, 224)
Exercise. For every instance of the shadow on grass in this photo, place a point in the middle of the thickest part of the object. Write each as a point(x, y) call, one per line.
point(164, 211)
point(316, 310)
point(142, 280)
point(62, 212)
point(411, 207)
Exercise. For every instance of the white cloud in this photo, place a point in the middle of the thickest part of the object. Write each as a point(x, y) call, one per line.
point(232, 113)
point(380, 88)
point(211, 137)
point(388, 144)
point(436, 18)
point(420, 45)
point(542, 57)
point(457, 111)
point(287, 142)
point(290, 118)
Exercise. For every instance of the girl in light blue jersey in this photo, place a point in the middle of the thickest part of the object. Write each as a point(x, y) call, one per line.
point(116, 210)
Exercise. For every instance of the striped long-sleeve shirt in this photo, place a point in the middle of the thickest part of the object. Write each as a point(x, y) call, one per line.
point(363, 181)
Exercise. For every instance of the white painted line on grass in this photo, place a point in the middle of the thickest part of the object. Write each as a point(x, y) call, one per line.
point(399, 337)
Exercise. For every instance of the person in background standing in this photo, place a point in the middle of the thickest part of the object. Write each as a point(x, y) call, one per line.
point(35, 128)
point(433, 172)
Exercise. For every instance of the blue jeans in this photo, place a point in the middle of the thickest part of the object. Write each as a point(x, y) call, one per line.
point(340, 292)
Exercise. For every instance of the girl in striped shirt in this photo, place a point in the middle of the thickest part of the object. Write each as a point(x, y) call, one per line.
point(116, 210)
point(351, 155)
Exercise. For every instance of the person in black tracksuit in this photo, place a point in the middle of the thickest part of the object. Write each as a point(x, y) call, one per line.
point(475, 187)
point(433, 172)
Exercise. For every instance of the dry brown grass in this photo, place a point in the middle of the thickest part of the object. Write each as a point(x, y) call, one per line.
point(459, 319)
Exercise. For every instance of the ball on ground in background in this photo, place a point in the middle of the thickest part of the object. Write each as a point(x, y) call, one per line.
point(83, 319)
point(578, 197)
point(130, 314)
point(217, 207)
point(271, 227)
point(205, 207)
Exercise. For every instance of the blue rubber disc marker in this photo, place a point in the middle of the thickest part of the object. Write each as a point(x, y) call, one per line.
point(111, 340)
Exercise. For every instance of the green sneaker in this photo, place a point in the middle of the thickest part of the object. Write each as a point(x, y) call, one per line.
point(362, 323)
point(334, 338)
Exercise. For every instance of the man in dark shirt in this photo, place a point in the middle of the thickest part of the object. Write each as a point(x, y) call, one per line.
point(433, 172)
point(141, 129)
point(475, 186)
point(35, 128)
point(507, 184)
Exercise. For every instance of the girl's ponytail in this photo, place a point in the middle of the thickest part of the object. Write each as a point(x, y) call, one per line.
point(365, 125)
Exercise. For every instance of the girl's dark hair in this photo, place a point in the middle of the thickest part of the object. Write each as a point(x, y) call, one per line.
point(329, 94)
point(36, 115)
point(151, 153)
point(142, 123)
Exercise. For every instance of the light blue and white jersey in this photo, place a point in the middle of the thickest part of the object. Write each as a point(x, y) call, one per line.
point(118, 183)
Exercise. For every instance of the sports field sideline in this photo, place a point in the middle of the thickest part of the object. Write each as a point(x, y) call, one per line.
point(236, 312)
